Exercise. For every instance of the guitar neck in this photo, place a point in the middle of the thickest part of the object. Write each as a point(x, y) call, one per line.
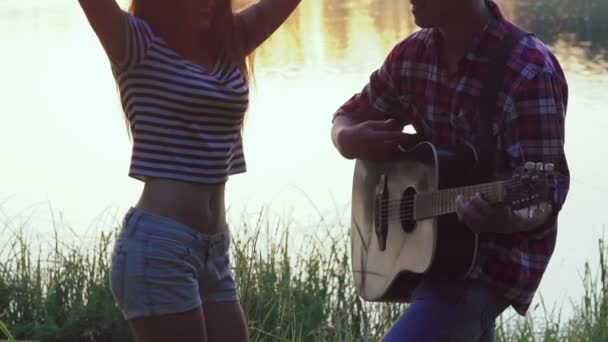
point(437, 203)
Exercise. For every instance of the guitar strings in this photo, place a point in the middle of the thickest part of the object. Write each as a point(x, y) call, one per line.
point(507, 184)
point(406, 204)
point(389, 205)
point(406, 209)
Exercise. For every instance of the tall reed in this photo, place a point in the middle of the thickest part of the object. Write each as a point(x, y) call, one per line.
point(294, 287)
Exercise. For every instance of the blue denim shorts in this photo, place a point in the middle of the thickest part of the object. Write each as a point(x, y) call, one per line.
point(160, 266)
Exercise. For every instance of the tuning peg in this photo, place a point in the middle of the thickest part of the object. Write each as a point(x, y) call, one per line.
point(529, 166)
point(549, 167)
point(539, 166)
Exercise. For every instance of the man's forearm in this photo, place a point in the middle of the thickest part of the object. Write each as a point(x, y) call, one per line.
point(340, 124)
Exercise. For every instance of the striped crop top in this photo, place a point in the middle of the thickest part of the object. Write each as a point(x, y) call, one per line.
point(185, 121)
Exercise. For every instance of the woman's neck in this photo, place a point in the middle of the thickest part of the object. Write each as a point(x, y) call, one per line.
point(197, 46)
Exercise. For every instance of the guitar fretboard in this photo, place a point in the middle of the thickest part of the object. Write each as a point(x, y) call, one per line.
point(432, 204)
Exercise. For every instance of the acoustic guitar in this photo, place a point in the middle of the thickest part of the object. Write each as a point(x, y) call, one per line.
point(404, 226)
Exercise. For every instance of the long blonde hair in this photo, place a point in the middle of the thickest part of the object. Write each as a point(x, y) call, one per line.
point(228, 40)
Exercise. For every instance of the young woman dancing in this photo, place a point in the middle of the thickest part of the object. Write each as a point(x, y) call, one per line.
point(180, 66)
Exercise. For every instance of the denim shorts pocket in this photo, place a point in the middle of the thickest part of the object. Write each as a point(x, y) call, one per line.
point(218, 268)
point(117, 271)
point(168, 277)
point(165, 247)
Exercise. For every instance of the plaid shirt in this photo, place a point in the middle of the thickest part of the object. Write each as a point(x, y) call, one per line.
point(414, 86)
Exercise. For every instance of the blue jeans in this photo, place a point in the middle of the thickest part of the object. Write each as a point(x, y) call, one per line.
point(449, 311)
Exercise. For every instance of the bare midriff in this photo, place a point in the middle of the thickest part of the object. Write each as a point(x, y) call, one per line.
point(199, 206)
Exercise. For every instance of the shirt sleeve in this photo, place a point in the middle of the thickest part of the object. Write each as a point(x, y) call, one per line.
point(382, 94)
point(138, 38)
point(535, 130)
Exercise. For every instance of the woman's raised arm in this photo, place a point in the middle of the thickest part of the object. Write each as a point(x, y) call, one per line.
point(261, 19)
point(107, 20)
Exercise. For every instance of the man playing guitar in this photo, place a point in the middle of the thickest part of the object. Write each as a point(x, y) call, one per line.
point(432, 80)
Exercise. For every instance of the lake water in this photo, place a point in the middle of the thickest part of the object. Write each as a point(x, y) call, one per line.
point(64, 145)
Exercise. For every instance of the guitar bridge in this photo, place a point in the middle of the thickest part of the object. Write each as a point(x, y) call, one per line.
point(381, 212)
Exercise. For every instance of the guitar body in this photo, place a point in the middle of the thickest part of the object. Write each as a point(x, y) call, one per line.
point(391, 253)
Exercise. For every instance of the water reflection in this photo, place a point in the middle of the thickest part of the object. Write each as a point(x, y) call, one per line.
point(355, 34)
point(337, 36)
point(585, 20)
point(576, 29)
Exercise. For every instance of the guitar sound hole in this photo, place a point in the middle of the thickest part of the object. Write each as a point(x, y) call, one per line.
point(406, 209)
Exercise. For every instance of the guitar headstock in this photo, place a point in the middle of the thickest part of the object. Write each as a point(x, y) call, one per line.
point(530, 185)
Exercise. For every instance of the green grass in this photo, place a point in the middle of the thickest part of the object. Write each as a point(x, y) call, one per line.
point(304, 294)
point(4, 331)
